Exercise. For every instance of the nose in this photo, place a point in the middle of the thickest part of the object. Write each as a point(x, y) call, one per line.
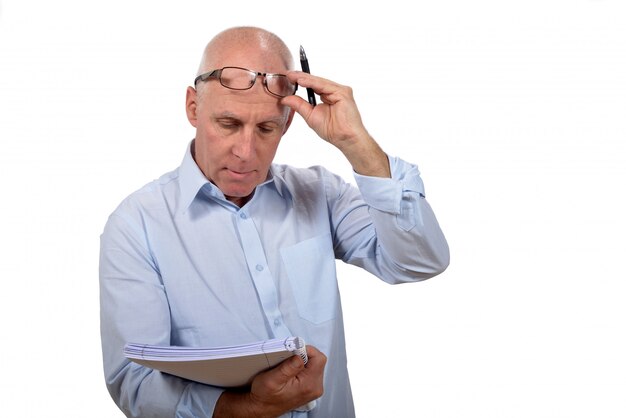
point(244, 146)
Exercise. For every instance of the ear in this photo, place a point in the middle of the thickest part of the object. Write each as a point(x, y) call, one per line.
point(191, 106)
point(289, 120)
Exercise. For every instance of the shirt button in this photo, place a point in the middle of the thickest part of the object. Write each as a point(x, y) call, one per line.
point(259, 267)
point(242, 215)
point(277, 322)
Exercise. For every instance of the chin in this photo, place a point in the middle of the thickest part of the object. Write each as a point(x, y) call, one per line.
point(238, 193)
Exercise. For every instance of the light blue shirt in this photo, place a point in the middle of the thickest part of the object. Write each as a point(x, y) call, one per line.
point(181, 265)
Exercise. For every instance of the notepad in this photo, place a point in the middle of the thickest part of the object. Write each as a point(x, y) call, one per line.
point(227, 367)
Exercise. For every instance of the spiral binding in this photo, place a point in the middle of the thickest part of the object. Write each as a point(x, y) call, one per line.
point(297, 346)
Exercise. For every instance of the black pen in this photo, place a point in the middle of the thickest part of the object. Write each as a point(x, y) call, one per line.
point(304, 63)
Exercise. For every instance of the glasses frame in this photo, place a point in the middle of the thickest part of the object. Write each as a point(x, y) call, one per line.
point(218, 74)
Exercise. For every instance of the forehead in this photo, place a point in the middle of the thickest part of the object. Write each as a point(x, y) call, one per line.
point(254, 104)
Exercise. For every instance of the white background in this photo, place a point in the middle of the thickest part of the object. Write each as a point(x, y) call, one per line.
point(514, 111)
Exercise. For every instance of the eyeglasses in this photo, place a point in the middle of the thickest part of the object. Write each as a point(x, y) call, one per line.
point(237, 78)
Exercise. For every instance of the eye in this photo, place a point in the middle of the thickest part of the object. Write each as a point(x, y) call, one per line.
point(228, 123)
point(267, 129)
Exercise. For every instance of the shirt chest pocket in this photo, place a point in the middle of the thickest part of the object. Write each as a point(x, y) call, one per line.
point(310, 266)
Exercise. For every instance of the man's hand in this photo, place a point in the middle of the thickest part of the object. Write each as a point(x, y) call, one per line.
point(338, 121)
point(287, 386)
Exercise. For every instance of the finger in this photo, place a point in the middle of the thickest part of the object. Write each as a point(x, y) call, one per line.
point(298, 104)
point(313, 374)
point(312, 351)
point(289, 368)
point(316, 357)
point(318, 84)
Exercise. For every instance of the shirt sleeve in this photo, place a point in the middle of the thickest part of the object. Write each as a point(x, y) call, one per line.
point(388, 227)
point(134, 308)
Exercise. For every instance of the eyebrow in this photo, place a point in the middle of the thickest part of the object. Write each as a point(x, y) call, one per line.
point(230, 115)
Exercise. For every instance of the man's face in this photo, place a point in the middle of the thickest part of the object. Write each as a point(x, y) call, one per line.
point(237, 134)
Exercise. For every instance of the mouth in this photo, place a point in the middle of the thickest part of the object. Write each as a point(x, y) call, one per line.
point(240, 175)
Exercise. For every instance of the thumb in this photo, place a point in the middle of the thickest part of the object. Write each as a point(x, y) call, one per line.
point(289, 368)
point(298, 104)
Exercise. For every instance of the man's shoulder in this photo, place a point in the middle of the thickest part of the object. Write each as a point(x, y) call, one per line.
point(151, 195)
point(301, 175)
point(307, 182)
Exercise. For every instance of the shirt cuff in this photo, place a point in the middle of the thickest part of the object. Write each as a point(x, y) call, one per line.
point(385, 194)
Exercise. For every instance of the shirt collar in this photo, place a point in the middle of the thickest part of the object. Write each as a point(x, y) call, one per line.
point(277, 175)
point(192, 180)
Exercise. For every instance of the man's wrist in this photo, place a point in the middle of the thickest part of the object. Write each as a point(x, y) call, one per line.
point(233, 404)
point(240, 405)
point(367, 158)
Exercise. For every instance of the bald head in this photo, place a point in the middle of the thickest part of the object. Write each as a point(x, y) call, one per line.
point(248, 47)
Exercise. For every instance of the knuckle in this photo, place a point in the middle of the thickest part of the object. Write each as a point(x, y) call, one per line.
point(348, 91)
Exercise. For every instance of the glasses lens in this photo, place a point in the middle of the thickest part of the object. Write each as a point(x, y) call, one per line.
point(280, 85)
point(237, 78)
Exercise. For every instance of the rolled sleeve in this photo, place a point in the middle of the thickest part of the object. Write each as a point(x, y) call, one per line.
point(397, 195)
point(409, 243)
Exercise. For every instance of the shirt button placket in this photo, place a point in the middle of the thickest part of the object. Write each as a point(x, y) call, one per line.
point(263, 281)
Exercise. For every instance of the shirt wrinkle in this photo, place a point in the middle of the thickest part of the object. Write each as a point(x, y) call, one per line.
point(177, 268)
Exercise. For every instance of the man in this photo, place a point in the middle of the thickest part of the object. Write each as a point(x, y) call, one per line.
point(230, 248)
